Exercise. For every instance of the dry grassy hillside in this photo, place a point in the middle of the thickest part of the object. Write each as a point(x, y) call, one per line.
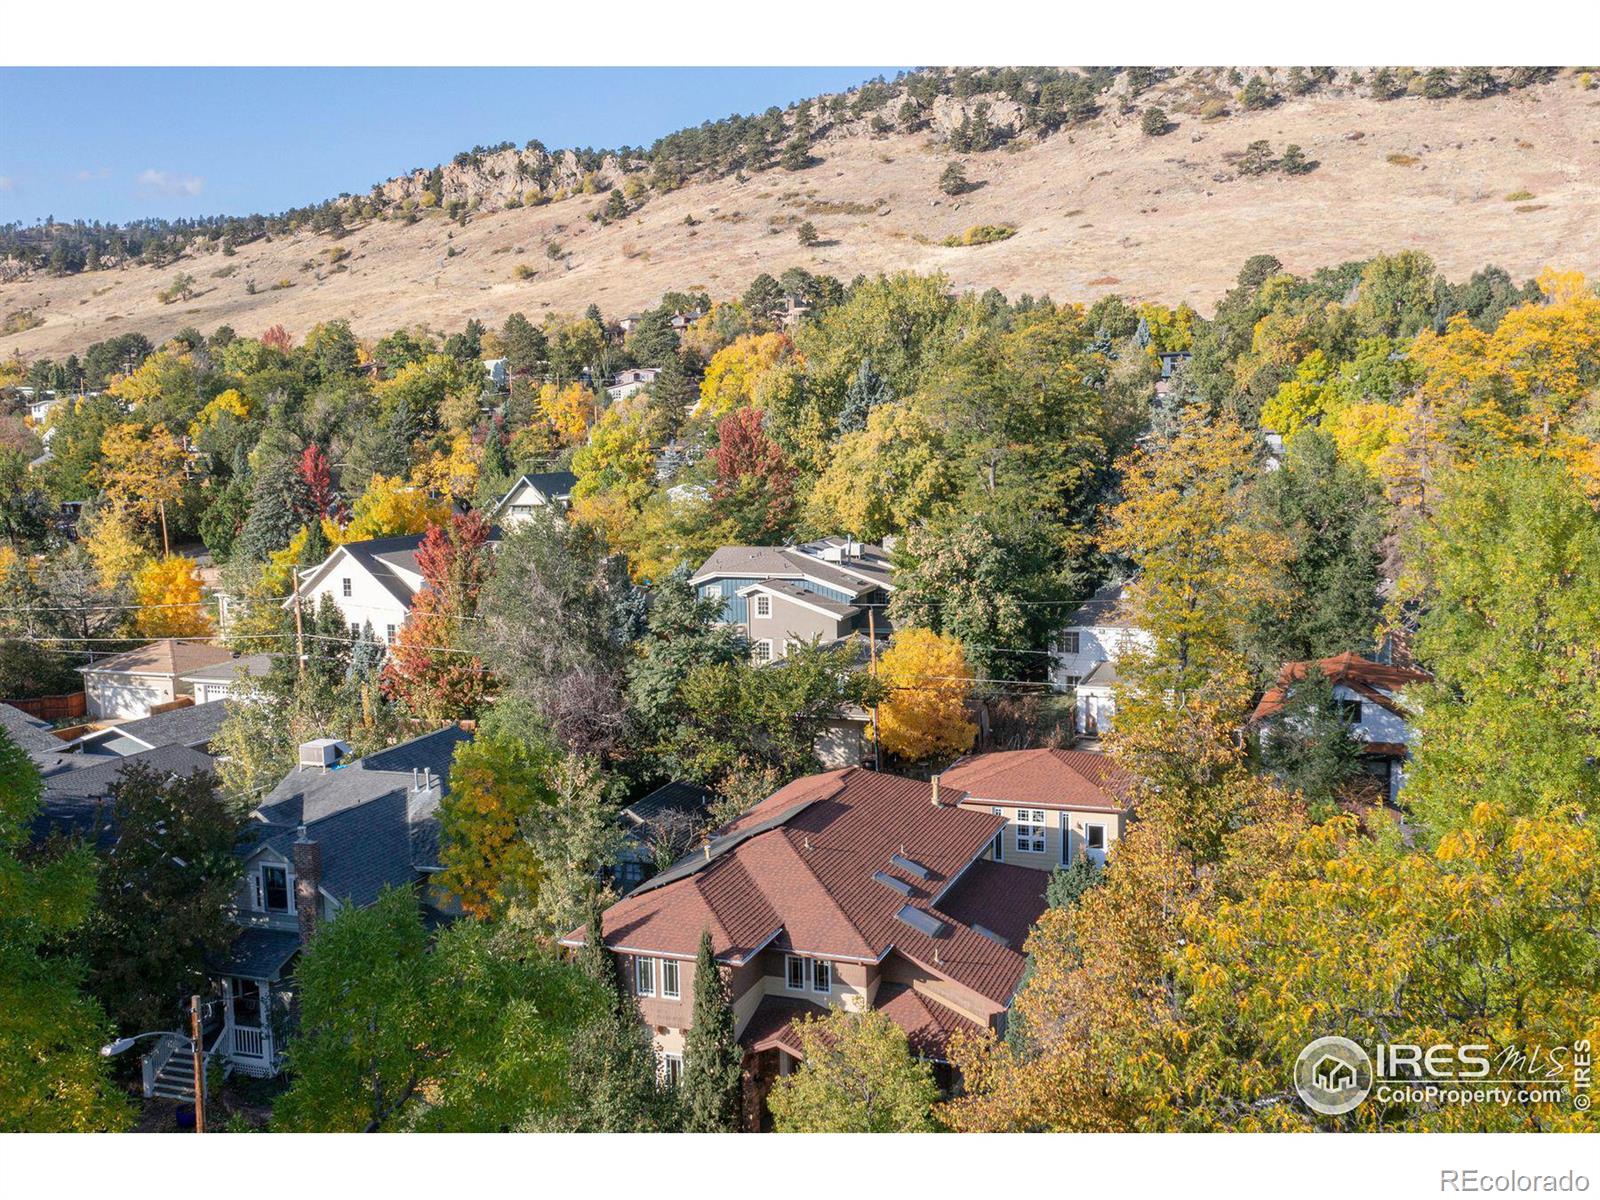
point(1098, 209)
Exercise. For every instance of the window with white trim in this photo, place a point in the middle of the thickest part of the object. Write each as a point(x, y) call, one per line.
point(644, 976)
point(1068, 641)
point(388, 634)
point(761, 651)
point(1094, 837)
point(1066, 839)
point(344, 586)
point(1071, 681)
point(669, 979)
point(272, 889)
point(672, 1069)
point(999, 847)
point(1030, 830)
point(821, 976)
point(794, 973)
point(763, 605)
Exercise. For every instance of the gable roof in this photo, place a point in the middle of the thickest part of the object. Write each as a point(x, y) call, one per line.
point(28, 732)
point(168, 656)
point(552, 485)
point(374, 829)
point(1102, 610)
point(787, 590)
point(1044, 778)
point(254, 665)
point(76, 801)
point(388, 560)
point(784, 562)
point(805, 870)
point(190, 725)
point(1377, 682)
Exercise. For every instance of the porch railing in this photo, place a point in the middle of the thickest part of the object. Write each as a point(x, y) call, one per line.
point(158, 1058)
point(248, 1042)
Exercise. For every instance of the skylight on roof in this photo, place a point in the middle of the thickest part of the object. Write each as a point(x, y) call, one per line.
point(920, 921)
point(909, 865)
point(991, 935)
point(899, 885)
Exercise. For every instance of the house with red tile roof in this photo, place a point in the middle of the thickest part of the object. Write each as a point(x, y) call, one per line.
point(1057, 804)
point(850, 888)
point(1370, 695)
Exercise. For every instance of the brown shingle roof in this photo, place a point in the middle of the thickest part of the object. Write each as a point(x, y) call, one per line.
point(1042, 778)
point(1376, 681)
point(808, 881)
point(168, 656)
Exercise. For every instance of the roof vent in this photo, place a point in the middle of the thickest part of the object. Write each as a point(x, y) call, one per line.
point(909, 865)
point(899, 885)
point(920, 921)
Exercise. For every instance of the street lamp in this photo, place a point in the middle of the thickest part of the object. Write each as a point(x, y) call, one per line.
point(195, 1048)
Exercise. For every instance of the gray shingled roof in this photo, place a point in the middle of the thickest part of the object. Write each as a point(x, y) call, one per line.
point(1100, 609)
point(254, 665)
point(191, 725)
point(75, 800)
point(794, 591)
point(374, 831)
point(776, 562)
point(679, 796)
point(261, 953)
point(28, 732)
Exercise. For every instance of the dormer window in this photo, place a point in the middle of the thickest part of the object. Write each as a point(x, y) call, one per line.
point(272, 889)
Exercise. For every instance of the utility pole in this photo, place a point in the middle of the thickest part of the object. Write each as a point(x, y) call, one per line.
point(199, 1065)
point(872, 670)
point(299, 632)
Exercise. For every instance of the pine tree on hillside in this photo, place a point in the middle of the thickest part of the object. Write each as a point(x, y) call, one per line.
point(866, 391)
point(711, 1054)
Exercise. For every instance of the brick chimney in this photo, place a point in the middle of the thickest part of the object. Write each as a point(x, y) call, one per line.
point(307, 883)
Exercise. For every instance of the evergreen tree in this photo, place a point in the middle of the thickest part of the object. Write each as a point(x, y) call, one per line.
point(277, 506)
point(1309, 745)
point(671, 397)
point(866, 391)
point(711, 1055)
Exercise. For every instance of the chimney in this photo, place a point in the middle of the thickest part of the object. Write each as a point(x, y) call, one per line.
point(307, 883)
point(935, 782)
point(708, 851)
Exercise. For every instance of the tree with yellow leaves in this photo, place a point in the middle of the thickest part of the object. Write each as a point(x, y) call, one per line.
point(115, 544)
point(455, 474)
point(168, 591)
point(497, 782)
point(734, 372)
point(569, 409)
point(927, 684)
point(143, 471)
point(390, 507)
point(231, 402)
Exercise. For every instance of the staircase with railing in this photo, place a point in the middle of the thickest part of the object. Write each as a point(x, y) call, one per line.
point(169, 1070)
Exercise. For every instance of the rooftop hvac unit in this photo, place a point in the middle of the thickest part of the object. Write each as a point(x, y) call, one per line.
point(322, 752)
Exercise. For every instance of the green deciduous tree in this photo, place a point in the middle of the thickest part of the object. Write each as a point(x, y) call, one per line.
point(858, 1076)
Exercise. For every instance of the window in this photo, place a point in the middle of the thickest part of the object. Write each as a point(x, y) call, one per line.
point(1094, 836)
point(999, 846)
point(1350, 710)
point(1066, 840)
point(821, 976)
point(763, 605)
point(521, 510)
point(644, 976)
point(355, 631)
point(1069, 682)
point(795, 969)
point(761, 651)
point(672, 1069)
point(669, 979)
point(1030, 830)
point(344, 586)
point(388, 634)
point(1068, 641)
point(274, 893)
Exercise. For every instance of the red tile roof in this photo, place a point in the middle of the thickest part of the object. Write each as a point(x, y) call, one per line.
point(811, 877)
point(1376, 681)
point(772, 1024)
point(1074, 779)
point(928, 1024)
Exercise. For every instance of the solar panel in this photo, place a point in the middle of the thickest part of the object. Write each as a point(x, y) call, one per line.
point(909, 866)
point(920, 921)
point(899, 885)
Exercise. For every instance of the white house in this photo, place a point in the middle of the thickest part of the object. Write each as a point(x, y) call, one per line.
point(1083, 656)
point(1369, 695)
point(632, 380)
point(497, 371)
point(128, 685)
point(373, 581)
point(549, 488)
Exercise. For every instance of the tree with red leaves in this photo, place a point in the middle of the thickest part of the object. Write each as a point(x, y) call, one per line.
point(321, 499)
point(432, 669)
point(754, 489)
point(277, 338)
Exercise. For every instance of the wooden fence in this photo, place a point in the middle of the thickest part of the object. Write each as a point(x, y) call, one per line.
point(53, 708)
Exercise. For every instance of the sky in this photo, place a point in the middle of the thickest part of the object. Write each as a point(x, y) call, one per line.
point(116, 144)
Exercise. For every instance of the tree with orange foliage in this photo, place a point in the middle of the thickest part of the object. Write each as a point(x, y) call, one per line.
point(277, 338)
point(570, 410)
point(168, 589)
point(754, 489)
point(928, 682)
point(430, 668)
